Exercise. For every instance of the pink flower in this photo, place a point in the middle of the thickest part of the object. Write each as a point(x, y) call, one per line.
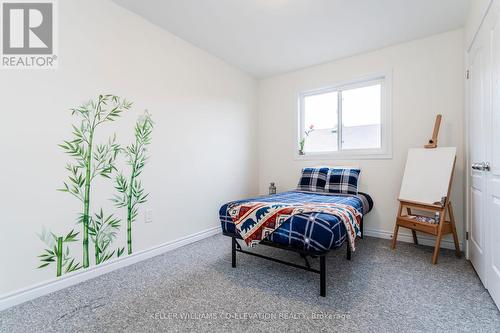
point(308, 131)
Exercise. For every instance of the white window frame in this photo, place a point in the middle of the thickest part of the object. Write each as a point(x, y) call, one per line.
point(385, 152)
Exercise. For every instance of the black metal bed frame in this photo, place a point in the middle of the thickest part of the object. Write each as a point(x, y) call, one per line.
point(304, 254)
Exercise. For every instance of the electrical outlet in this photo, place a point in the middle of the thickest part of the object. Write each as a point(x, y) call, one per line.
point(148, 216)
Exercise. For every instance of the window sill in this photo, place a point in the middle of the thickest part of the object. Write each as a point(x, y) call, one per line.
point(343, 156)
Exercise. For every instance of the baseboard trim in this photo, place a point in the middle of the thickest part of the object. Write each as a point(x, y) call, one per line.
point(408, 238)
point(71, 279)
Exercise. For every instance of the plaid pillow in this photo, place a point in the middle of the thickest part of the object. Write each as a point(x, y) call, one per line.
point(313, 179)
point(344, 181)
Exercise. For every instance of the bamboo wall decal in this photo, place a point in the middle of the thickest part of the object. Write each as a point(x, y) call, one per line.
point(103, 231)
point(91, 160)
point(59, 255)
point(131, 190)
point(55, 252)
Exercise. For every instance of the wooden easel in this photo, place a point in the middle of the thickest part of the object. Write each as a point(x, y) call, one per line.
point(433, 142)
point(445, 226)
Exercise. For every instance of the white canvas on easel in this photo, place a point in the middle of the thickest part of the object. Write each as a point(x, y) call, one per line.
point(427, 174)
point(426, 189)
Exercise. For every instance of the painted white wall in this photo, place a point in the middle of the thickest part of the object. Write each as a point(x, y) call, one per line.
point(476, 13)
point(204, 143)
point(427, 79)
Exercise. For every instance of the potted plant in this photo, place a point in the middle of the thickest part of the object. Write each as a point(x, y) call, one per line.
point(302, 141)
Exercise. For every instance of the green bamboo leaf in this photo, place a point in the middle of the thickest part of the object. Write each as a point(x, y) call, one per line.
point(69, 266)
point(71, 236)
point(65, 189)
point(75, 267)
point(48, 260)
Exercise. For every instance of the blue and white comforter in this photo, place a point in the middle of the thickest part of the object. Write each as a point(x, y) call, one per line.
point(317, 232)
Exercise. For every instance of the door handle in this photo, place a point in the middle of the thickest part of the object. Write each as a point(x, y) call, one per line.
point(482, 166)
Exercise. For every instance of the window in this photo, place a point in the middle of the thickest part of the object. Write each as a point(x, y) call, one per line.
point(350, 120)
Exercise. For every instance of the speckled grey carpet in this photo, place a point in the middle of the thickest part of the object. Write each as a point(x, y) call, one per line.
point(195, 289)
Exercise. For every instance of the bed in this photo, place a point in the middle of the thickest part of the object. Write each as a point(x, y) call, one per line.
point(312, 235)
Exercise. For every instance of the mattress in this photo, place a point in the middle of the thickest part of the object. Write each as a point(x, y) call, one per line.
point(316, 232)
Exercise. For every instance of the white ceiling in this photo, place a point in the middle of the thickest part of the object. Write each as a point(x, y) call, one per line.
point(267, 37)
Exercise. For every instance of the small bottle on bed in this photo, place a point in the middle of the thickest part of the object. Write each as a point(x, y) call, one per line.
point(272, 188)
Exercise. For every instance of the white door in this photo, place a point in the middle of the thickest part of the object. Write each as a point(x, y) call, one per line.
point(493, 176)
point(478, 103)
